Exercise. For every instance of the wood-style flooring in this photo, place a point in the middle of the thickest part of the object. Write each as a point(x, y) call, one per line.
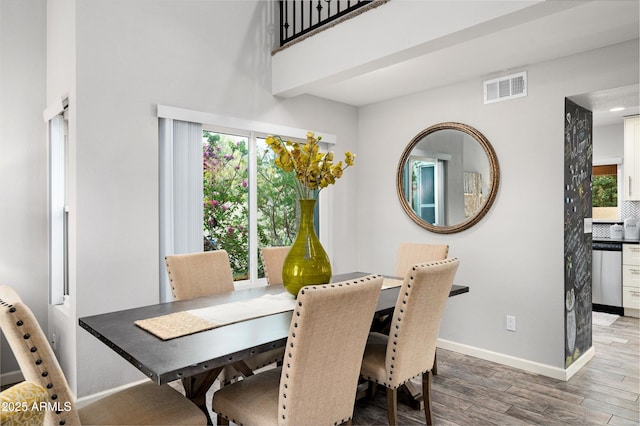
point(469, 391)
point(472, 392)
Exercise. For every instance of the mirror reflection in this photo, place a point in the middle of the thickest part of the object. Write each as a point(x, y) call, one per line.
point(447, 177)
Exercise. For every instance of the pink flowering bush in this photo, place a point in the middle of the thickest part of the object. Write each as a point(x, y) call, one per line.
point(226, 193)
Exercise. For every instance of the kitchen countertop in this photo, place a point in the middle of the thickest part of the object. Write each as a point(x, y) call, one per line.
point(614, 240)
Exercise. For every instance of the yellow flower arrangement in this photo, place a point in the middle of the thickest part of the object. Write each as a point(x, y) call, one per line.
point(313, 169)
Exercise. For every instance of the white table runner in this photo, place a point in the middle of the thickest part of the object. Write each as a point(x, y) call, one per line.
point(180, 324)
point(230, 313)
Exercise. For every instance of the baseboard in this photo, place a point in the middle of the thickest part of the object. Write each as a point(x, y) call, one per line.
point(16, 376)
point(86, 400)
point(11, 377)
point(519, 363)
point(579, 363)
point(635, 313)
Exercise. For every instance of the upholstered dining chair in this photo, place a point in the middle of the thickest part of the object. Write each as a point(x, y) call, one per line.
point(318, 381)
point(409, 350)
point(272, 260)
point(206, 273)
point(146, 403)
point(409, 254)
point(199, 274)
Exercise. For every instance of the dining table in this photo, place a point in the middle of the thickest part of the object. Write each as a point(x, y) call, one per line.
point(198, 358)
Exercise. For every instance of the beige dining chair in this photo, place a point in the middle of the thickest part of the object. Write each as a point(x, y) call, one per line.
point(318, 381)
point(206, 273)
point(199, 274)
point(146, 403)
point(409, 254)
point(409, 350)
point(272, 261)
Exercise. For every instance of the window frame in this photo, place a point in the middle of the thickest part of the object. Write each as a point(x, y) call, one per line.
point(617, 162)
point(57, 118)
point(244, 128)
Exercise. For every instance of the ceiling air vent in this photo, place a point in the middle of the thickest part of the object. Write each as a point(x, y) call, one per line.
point(507, 87)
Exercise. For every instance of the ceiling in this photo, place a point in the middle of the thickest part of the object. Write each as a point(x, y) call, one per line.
point(601, 102)
point(542, 32)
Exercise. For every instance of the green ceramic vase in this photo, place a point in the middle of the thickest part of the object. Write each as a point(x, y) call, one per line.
point(307, 263)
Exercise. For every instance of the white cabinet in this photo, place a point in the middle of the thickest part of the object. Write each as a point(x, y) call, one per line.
point(631, 279)
point(631, 169)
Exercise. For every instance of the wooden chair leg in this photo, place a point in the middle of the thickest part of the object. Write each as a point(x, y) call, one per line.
point(371, 389)
point(392, 406)
point(434, 370)
point(426, 396)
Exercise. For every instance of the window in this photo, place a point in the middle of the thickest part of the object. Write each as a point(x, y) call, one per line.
point(605, 190)
point(58, 207)
point(220, 189)
point(226, 190)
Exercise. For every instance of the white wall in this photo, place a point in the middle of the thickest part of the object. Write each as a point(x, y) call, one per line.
point(513, 258)
point(23, 167)
point(211, 56)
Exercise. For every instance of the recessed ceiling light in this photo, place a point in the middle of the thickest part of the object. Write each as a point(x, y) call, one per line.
point(616, 109)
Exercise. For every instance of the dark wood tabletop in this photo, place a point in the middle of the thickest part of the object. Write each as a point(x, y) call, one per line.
point(164, 361)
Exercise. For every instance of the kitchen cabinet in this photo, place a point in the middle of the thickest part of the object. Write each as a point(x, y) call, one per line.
point(631, 279)
point(631, 166)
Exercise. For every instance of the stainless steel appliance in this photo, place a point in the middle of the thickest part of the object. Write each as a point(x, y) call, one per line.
point(607, 277)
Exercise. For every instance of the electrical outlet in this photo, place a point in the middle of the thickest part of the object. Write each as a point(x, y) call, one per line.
point(511, 323)
point(54, 341)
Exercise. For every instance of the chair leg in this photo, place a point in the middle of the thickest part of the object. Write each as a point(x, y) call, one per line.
point(371, 389)
point(392, 406)
point(426, 396)
point(434, 370)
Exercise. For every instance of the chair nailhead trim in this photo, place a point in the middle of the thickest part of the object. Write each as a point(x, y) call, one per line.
point(33, 349)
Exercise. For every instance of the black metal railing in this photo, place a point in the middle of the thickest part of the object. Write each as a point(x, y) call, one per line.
point(299, 17)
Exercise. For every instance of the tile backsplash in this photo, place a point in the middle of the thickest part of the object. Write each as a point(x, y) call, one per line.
point(628, 209)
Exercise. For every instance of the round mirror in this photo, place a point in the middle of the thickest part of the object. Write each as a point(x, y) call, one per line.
point(447, 177)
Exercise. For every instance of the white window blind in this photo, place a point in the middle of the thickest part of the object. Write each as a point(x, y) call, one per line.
point(180, 192)
point(58, 211)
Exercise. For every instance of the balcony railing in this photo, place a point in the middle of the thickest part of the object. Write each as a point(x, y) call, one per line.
point(300, 17)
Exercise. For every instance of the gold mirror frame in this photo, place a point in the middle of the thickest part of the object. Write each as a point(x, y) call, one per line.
point(494, 179)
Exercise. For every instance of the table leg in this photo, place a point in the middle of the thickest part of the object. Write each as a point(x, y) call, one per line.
point(414, 390)
point(196, 388)
point(414, 387)
point(242, 368)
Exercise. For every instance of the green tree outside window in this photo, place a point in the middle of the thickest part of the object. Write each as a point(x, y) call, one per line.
point(605, 191)
point(226, 200)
